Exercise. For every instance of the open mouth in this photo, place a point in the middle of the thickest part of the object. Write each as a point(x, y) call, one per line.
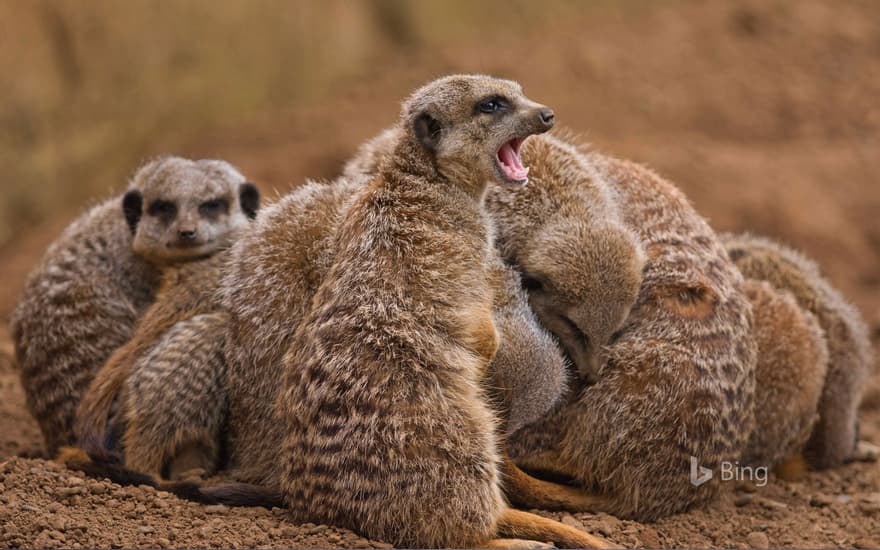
point(510, 164)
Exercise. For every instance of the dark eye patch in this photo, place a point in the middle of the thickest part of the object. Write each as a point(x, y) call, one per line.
point(162, 209)
point(214, 207)
point(492, 104)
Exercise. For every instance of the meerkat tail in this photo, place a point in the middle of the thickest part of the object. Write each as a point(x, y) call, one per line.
point(90, 423)
point(515, 544)
point(528, 492)
point(525, 525)
point(229, 493)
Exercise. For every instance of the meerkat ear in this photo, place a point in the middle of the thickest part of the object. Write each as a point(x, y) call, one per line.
point(427, 130)
point(249, 199)
point(132, 208)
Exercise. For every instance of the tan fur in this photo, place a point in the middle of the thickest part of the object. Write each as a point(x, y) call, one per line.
point(598, 239)
point(187, 287)
point(582, 211)
point(850, 360)
point(789, 375)
point(173, 398)
point(383, 378)
point(83, 300)
point(677, 379)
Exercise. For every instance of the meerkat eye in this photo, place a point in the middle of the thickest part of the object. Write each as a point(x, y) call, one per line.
point(162, 209)
point(213, 208)
point(492, 105)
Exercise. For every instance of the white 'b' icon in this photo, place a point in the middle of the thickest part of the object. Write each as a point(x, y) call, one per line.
point(699, 474)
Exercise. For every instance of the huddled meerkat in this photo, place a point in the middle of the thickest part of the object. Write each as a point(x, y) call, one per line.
point(789, 376)
point(94, 282)
point(676, 380)
point(209, 204)
point(849, 355)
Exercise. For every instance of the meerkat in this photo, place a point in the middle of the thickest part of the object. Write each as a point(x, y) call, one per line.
point(850, 362)
point(268, 285)
point(94, 282)
point(382, 381)
point(789, 376)
point(212, 206)
point(676, 380)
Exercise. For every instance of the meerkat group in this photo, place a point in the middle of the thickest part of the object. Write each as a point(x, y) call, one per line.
point(410, 324)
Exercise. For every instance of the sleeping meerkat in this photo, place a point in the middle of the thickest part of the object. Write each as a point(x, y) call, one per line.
point(850, 362)
point(195, 210)
point(96, 280)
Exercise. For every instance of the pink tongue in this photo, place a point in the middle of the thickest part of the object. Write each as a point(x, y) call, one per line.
point(510, 163)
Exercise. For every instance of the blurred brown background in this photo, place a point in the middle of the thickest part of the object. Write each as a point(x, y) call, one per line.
point(766, 112)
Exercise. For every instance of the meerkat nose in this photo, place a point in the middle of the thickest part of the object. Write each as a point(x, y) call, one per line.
point(187, 235)
point(547, 117)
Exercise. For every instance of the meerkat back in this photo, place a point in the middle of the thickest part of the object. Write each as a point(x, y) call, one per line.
point(850, 359)
point(789, 375)
point(78, 305)
point(273, 273)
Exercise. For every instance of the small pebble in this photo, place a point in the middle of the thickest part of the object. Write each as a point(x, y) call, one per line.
point(756, 539)
point(771, 504)
point(216, 509)
point(744, 500)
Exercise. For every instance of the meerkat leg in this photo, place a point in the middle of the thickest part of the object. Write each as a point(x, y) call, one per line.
point(519, 524)
point(529, 492)
point(193, 460)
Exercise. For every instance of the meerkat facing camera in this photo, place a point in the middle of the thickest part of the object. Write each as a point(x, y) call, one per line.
point(194, 210)
point(93, 284)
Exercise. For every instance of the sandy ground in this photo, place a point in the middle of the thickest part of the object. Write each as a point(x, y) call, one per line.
point(765, 114)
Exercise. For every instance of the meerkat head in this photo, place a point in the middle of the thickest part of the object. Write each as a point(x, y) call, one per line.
point(473, 127)
point(180, 210)
point(583, 307)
